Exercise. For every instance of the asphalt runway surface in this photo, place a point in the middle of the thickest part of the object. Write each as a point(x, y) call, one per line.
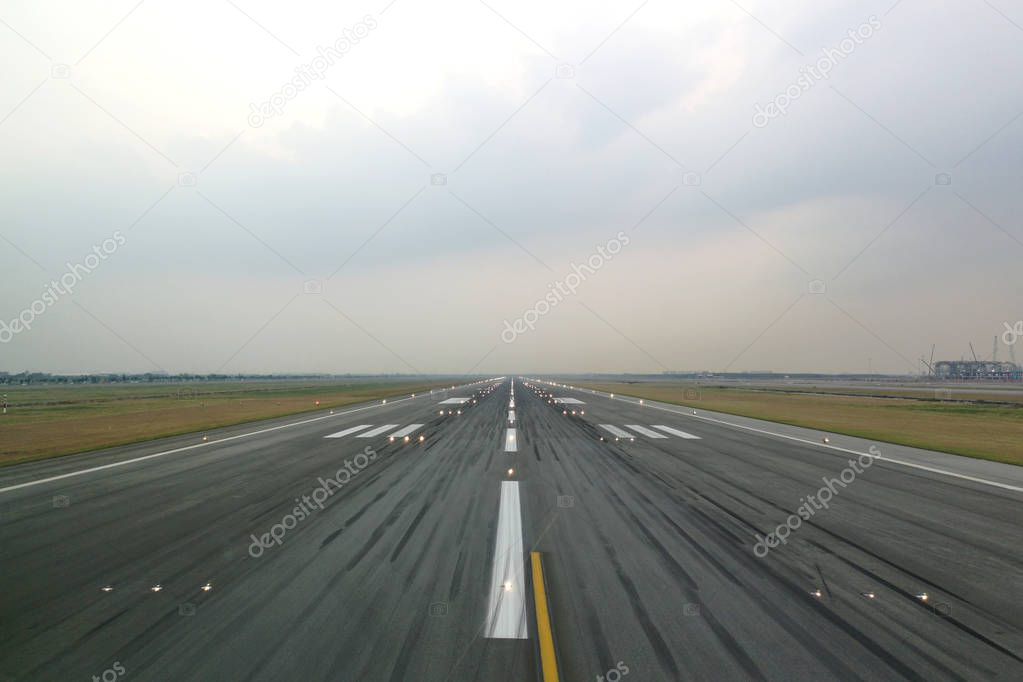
point(272, 551)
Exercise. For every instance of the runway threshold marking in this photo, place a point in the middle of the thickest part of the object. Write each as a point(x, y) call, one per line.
point(354, 429)
point(544, 631)
point(406, 431)
point(882, 458)
point(510, 441)
point(650, 433)
point(377, 431)
point(196, 446)
point(615, 431)
point(675, 432)
point(506, 612)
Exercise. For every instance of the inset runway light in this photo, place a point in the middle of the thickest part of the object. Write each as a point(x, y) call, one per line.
point(641, 401)
point(442, 411)
point(391, 439)
point(156, 588)
point(817, 593)
point(868, 595)
point(384, 401)
point(207, 587)
point(406, 439)
point(422, 438)
point(825, 440)
point(508, 586)
point(107, 588)
point(511, 472)
point(922, 596)
point(205, 437)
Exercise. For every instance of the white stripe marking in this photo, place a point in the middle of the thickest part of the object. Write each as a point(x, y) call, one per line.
point(650, 433)
point(511, 416)
point(881, 458)
point(185, 448)
point(454, 401)
point(675, 432)
point(615, 431)
point(406, 431)
point(341, 434)
point(377, 431)
point(569, 401)
point(510, 443)
point(506, 613)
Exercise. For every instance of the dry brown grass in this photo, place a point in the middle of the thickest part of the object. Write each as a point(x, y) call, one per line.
point(52, 421)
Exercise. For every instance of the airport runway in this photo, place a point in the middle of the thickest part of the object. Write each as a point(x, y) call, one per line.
point(316, 548)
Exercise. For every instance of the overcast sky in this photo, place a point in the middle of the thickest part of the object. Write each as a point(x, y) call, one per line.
point(552, 129)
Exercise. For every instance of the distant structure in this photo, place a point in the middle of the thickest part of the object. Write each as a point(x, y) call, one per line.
point(976, 370)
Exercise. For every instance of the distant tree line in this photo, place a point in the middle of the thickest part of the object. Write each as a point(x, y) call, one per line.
point(35, 378)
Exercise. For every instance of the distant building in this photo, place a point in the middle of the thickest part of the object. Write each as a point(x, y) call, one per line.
point(976, 370)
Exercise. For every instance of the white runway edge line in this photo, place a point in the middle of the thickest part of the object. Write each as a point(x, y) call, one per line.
point(196, 446)
point(675, 432)
point(506, 612)
point(407, 431)
point(890, 460)
point(510, 441)
point(650, 433)
point(354, 429)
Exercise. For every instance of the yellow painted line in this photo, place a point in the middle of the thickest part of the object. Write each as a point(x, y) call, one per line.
point(548, 658)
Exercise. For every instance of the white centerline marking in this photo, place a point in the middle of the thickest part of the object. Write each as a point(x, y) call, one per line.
point(511, 416)
point(341, 434)
point(675, 432)
point(510, 442)
point(506, 613)
point(615, 431)
point(406, 431)
point(377, 431)
point(648, 432)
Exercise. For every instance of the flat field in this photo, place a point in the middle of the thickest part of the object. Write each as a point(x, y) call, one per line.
point(51, 420)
